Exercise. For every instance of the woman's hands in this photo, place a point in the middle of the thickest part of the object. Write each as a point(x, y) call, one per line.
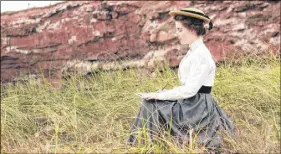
point(147, 96)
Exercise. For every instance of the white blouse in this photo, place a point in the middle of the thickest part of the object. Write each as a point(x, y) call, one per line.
point(197, 68)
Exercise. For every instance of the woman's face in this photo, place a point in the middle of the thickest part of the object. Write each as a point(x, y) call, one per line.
point(184, 35)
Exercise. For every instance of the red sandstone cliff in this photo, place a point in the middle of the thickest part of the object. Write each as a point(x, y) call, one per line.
point(87, 34)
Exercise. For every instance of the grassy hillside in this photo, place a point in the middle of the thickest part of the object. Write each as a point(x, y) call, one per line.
point(94, 113)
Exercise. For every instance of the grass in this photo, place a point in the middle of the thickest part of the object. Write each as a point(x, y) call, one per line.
point(94, 113)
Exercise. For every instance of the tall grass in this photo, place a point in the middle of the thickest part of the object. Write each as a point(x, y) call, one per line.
point(94, 113)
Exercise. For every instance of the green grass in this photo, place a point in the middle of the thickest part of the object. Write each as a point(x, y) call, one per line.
point(94, 113)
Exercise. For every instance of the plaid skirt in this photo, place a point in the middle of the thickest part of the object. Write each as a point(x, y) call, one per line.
point(200, 113)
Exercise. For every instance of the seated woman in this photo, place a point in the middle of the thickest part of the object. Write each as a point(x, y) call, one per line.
point(189, 106)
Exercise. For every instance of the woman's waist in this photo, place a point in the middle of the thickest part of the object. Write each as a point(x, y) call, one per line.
point(205, 89)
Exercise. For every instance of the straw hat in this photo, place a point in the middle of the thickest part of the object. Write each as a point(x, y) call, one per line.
point(195, 13)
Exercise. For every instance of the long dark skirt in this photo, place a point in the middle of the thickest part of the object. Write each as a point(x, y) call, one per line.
point(200, 113)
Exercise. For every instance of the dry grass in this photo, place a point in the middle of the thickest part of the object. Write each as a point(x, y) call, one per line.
point(94, 114)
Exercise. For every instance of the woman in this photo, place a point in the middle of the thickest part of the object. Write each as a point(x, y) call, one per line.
point(189, 107)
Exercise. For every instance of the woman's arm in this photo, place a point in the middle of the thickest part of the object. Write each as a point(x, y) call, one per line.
point(198, 73)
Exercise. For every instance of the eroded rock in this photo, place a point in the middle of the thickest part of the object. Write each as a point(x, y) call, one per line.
point(108, 34)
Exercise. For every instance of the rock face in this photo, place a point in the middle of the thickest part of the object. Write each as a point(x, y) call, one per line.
point(109, 34)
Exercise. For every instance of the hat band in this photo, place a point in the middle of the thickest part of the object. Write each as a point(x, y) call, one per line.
point(198, 13)
point(201, 14)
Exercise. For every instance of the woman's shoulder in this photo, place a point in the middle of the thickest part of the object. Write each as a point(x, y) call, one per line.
point(201, 51)
point(203, 48)
point(201, 54)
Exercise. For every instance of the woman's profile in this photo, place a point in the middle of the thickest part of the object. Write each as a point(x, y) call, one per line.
point(189, 107)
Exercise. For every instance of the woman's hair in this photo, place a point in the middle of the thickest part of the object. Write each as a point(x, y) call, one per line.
point(192, 23)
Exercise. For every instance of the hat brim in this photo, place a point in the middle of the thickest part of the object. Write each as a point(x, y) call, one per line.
point(173, 13)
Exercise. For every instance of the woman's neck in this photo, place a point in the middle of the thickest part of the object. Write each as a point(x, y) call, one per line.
point(196, 39)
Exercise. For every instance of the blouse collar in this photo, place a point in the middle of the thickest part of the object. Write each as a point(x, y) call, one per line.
point(194, 45)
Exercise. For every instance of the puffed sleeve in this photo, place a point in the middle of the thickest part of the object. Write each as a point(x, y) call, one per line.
point(195, 78)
